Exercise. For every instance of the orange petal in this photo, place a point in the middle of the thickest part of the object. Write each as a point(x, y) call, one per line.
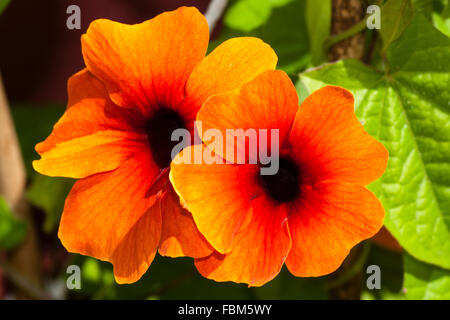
point(147, 65)
point(179, 236)
point(136, 250)
point(233, 63)
point(89, 110)
point(217, 195)
point(267, 102)
point(103, 215)
point(81, 157)
point(330, 219)
point(330, 143)
point(258, 251)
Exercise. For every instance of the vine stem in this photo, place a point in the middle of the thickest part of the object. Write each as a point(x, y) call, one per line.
point(357, 28)
point(346, 282)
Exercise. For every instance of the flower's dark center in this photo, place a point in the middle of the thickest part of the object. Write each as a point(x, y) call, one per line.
point(284, 185)
point(159, 131)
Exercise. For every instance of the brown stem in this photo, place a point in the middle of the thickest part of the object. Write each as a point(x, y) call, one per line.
point(346, 14)
point(25, 258)
point(12, 170)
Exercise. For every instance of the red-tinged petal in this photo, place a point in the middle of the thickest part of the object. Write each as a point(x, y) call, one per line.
point(180, 236)
point(146, 65)
point(267, 102)
point(233, 63)
point(217, 195)
point(135, 252)
point(330, 218)
point(103, 215)
point(81, 157)
point(89, 110)
point(330, 143)
point(258, 252)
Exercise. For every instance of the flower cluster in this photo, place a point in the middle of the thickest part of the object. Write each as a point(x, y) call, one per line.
point(143, 82)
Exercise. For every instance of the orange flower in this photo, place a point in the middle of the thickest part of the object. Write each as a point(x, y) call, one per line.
point(311, 212)
point(141, 82)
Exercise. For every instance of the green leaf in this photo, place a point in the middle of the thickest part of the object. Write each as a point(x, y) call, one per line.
point(424, 7)
point(382, 295)
point(33, 125)
point(246, 15)
point(442, 24)
point(391, 266)
point(446, 11)
point(395, 17)
point(279, 3)
point(49, 194)
point(407, 110)
point(12, 230)
point(318, 21)
point(285, 31)
point(424, 281)
point(3, 5)
point(91, 270)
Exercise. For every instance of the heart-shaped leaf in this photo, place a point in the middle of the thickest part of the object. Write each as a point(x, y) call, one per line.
point(424, 281)
point(408, 110)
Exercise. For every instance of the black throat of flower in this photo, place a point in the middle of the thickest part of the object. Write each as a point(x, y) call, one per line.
point(284, 186)
point(159, 131)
